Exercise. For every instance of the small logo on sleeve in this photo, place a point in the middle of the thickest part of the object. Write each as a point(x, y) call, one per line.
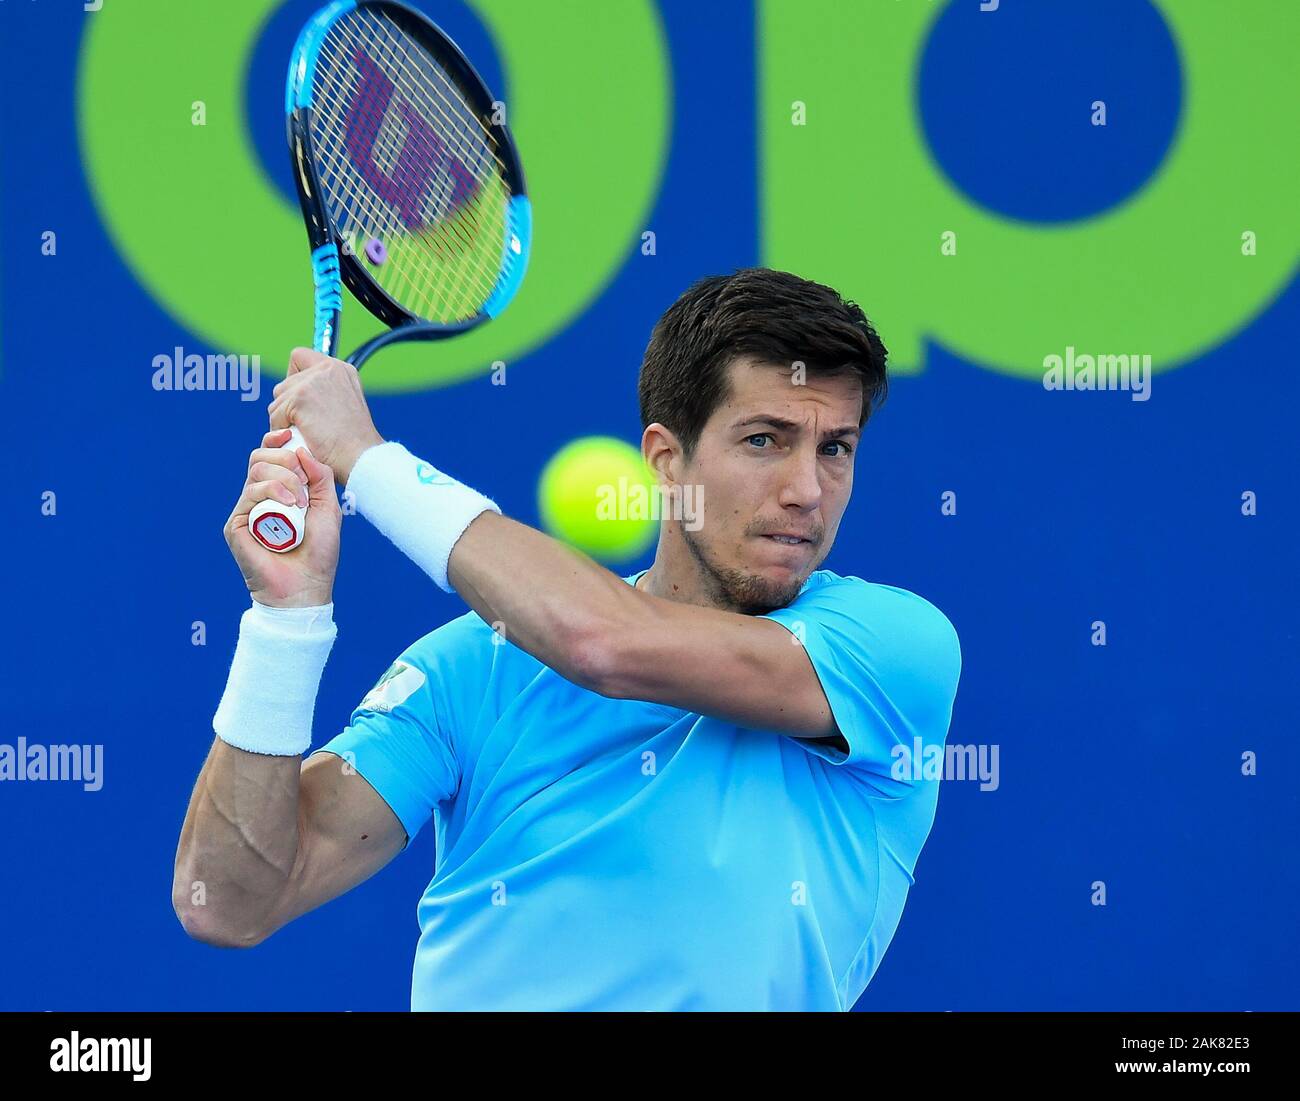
point(394, 688)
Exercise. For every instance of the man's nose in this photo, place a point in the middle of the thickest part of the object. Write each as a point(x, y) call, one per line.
point(801, 486)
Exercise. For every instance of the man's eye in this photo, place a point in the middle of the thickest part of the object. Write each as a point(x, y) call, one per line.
point(847, 450)
point(759, 436)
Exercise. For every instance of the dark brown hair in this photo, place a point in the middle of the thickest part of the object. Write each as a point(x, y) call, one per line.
point(772, 316)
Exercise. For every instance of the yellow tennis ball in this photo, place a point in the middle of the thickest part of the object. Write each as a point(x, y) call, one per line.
point(598, 495)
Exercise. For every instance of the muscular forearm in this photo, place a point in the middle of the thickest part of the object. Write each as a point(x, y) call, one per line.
point(237, 846)
point(550, 601)
point(241, 834)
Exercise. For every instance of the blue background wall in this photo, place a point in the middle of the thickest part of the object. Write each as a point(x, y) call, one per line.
point(1120, 764)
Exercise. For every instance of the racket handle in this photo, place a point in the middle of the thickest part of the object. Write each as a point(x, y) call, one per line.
point(279, 527)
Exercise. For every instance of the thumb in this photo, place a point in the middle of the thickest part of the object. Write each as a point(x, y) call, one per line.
point(320, 479)
point(302, 358)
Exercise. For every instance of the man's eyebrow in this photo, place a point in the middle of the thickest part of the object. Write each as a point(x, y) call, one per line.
point(789, 425)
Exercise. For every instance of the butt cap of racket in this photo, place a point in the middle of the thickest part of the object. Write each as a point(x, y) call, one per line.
point(280, 527)
point(277, 527)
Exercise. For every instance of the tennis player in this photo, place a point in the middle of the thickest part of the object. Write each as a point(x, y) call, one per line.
point(697, 787)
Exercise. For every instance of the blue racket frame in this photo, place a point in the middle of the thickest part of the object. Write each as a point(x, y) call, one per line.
point(333, 266)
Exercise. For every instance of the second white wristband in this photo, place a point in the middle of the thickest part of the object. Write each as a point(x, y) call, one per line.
point(417, 506)
point(271, 691)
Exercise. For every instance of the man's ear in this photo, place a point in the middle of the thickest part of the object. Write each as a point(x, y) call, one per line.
point(662, 452)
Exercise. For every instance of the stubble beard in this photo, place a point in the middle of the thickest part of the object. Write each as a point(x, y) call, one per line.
point(735, 590)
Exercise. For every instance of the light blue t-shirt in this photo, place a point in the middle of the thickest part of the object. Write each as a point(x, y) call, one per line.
point(604, 854)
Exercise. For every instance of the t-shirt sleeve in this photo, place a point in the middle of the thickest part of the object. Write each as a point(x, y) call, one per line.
point(888, 661)
point(402, 737)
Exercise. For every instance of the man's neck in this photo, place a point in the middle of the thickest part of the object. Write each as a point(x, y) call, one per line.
point(656, 582)
point(676, 575)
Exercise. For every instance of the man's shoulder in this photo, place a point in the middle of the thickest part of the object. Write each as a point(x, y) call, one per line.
point(825, 587)
point(467, 647)
point(463, 636)
point(871, 615)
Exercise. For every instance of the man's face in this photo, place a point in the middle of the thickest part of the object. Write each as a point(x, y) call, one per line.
point(775, 460)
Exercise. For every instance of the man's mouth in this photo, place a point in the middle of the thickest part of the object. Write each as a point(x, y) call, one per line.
point(789, 540)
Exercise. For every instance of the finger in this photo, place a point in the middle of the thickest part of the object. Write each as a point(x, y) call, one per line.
point(277, 456)
point(291, 491)
point(256, 492)
point(302, 358)
point(277, 437)
point(289, 382)
point(278, 411)
point(270, 472)
point(320, 479)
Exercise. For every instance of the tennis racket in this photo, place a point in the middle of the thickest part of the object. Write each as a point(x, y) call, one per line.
point(410, 185)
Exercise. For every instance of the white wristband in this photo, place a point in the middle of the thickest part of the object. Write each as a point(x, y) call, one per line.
point(418, 507)
point(271, 691)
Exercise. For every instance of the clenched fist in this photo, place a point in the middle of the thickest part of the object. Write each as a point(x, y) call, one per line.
point(322, 398)
point(306, 577)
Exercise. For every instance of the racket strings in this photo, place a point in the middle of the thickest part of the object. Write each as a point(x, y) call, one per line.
point(495, 173)
point(454, 108)
point(461, 118)
point(441, 157)
point(466, 151)
point(372, 206)
point(462, 125)
point(358, 204)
